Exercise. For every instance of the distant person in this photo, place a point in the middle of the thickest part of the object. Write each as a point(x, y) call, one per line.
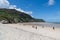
point(33, 26)
point(42, 26)
point(53, 28)
point(36, 27)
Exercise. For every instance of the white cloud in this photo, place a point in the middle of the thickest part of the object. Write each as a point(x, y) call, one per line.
point(6, 4)
point(51, 2)
point(12, 6)
point(28, 12)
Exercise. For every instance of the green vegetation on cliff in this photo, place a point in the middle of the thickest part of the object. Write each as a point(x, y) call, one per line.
point(13, 16)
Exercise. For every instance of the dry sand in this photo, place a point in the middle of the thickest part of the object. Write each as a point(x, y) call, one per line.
point(23, 31)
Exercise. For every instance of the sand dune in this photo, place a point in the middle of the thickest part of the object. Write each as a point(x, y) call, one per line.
point(26, 32)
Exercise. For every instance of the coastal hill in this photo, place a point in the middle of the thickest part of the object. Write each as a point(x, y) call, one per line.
point(14, 16)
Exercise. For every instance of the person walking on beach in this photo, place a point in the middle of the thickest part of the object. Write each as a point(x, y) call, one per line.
point(53, 28)
point(33, 26)
point(42, 26)
point(36, 27)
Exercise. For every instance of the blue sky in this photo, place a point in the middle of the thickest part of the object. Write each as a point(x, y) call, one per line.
point(48, 10)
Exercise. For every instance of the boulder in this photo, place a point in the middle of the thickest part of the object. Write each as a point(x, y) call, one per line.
point(4, 22)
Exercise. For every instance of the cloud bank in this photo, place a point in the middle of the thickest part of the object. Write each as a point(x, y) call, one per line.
point(6, 4)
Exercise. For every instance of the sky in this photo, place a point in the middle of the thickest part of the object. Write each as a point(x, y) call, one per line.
point(49, 10)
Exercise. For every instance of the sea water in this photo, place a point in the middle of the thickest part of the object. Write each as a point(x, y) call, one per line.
point(46, 24)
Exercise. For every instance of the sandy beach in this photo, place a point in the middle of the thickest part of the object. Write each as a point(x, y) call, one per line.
point(28, 31)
